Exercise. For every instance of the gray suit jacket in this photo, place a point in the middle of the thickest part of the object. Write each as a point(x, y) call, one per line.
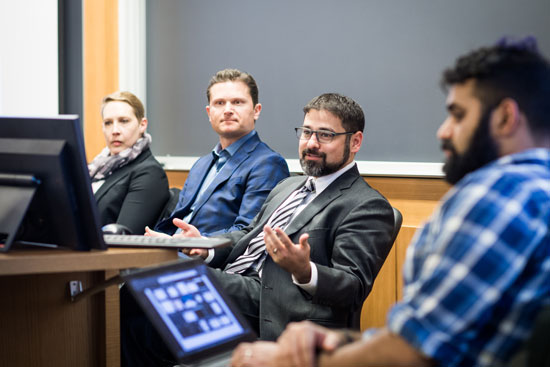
point(349, 226)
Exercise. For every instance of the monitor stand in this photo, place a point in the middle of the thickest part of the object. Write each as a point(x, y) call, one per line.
point(16, 193)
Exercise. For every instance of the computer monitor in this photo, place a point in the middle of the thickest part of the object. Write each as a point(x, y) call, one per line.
point(45, 192)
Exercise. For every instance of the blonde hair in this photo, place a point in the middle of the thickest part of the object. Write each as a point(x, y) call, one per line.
point(127, 97)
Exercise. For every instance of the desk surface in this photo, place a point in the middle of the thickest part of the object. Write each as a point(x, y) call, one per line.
point(40, 261)
point(42, 319)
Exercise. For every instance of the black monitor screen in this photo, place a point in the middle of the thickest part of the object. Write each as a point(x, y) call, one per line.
point(45, 192)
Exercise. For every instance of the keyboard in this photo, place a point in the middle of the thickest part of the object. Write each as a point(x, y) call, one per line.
point(117, 240)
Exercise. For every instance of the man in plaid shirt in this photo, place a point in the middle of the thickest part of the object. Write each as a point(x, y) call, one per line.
point(478, 272)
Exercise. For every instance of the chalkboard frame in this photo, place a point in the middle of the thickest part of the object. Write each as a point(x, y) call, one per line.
point(387, 55)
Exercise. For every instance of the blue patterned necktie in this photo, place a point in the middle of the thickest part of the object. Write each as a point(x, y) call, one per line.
point(280, 219)
point(222, 158)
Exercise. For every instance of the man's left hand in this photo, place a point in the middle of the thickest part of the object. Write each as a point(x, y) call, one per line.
point(290, 256)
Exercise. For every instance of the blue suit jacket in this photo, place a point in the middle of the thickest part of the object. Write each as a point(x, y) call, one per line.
point(237, 193)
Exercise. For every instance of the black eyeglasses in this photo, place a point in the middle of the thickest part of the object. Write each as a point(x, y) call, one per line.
point(323, 136)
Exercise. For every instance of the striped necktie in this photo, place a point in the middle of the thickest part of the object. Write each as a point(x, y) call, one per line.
point(280, 219)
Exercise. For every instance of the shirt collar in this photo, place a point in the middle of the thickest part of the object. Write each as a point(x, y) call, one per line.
point(538, 154)
point(321, 183)
point(233, 148)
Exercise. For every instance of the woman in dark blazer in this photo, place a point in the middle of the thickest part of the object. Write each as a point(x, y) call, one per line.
point(129, 184)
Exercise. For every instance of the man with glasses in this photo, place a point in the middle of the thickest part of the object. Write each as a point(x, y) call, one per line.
point(318, 242)
point(315, 247)
point(478, 272)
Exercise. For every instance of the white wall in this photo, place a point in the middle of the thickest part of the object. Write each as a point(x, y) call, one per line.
point(28, 57)
point(132, 48)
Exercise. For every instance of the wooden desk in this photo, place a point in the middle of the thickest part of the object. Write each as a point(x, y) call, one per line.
point(40, 326)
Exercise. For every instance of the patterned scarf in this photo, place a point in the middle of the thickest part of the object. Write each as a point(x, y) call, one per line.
point(105, 164)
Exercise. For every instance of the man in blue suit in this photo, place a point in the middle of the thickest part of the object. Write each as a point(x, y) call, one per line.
point(226, 188)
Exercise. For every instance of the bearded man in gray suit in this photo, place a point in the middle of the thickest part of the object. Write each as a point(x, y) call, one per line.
point(318, 242)
point(321, 263)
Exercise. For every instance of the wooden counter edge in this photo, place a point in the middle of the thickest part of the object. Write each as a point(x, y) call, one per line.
point(20, 262)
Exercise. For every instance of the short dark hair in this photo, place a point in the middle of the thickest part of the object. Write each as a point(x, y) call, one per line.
point(509, 69)
point(231, 75)
point(345, 108)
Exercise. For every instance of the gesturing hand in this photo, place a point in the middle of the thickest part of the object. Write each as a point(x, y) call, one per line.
point(187, 230)
point(292, 257)
point(150, 233)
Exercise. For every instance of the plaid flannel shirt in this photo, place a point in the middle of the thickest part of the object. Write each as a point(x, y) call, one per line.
point(479, 270)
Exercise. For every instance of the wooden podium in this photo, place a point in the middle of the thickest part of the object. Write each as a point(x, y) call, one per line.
point(41, 326)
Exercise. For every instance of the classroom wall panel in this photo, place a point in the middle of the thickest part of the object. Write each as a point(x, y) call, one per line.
point(387, 55)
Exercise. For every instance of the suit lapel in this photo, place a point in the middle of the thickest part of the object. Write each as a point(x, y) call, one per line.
point(281, 197)
point(110, 181)
point(119, 174)
point(331, 193)
point(228, 169)
point(194, 181)
point(273, 204)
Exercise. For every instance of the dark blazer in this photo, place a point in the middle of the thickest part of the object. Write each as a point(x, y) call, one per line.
point(135, 194)
point(349, 226)
point(236, 194)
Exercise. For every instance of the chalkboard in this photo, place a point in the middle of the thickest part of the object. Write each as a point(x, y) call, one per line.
point(387, 55)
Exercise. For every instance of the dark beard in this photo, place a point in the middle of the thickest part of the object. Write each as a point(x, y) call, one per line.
point(322, 168)
point(481, 151)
